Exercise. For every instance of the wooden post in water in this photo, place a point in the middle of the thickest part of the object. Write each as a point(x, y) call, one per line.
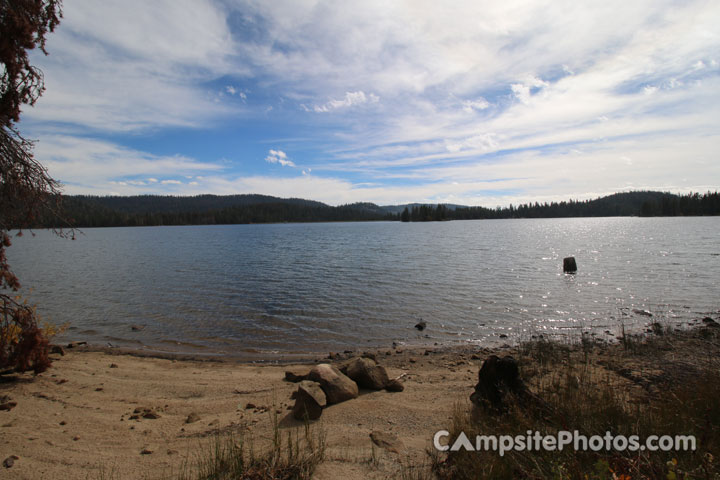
point(569, 265)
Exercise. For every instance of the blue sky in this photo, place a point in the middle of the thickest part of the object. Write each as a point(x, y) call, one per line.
point(477, 102)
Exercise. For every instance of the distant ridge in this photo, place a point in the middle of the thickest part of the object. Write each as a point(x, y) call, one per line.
point(148, 210)
point(141, 204)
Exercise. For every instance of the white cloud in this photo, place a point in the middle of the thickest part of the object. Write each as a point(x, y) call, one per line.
point(144, 69)
point(351, 99)
point(278, 156)
point(481, 142)
point(470, 91)
point(234, 91)
point(171, 182)
point(87, 165)
point(523, 91)
point(470, 106)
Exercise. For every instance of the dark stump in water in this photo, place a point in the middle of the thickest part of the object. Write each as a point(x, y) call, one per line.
point(569, 265)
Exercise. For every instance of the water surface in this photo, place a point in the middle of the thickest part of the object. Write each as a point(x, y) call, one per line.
point(244, 289)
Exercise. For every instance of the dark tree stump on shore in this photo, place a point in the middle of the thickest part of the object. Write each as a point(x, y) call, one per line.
point(498, 377)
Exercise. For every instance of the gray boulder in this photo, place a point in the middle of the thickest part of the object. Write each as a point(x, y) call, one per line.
point(367, 374)
point(309, 401)
point(335, 384)
point(394, 385)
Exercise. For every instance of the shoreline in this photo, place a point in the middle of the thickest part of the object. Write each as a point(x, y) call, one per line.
point(498, 343)
point(76, 419)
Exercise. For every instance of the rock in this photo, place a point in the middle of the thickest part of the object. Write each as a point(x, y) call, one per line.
point(309, 401)
point(76, 438)
point(394, 385)
point(367, 374)
point(337, 387)
point(657, 328)
point(644, 313)
point(7, 406)
point(250, 406)
point(569, 265)
point(496, 378)
point(421, 325)
point(57, 349)
point(387, 441)
point(709, 322)
point(145, 451)
point(75, 344)
point(294, 378)
point(113, 365)
point(137, 328)
point(10, 461)
point(502, 335)
point(192, 418)
point(145, 412)
point(369, 355)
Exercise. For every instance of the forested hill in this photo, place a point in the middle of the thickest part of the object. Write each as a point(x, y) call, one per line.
point(146, 210)
point(648, 204)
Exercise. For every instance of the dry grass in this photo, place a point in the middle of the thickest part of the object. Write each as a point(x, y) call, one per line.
point(293, 454)
point(664, 383)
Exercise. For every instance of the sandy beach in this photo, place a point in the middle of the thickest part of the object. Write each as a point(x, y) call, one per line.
point(108, 414)
point(73, 421)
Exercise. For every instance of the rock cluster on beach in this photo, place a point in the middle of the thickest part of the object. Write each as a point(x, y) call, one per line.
point(326, 385)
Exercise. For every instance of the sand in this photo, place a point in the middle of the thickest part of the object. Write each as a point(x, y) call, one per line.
point(83, 418)
point(73, 421)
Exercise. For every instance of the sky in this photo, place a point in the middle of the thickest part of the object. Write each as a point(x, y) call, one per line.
point(478, 102)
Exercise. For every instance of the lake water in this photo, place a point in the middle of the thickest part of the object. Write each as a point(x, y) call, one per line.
point(298, 288)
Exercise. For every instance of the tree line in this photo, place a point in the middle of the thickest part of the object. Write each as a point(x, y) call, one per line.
point(646, 204)
point(84, 211)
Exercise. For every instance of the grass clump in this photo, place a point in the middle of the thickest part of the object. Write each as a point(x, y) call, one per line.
point(294, 454)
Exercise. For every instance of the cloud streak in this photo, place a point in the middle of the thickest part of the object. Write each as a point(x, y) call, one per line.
point(350, 99)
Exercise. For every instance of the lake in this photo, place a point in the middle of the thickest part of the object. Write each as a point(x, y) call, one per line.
point(254, 290)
